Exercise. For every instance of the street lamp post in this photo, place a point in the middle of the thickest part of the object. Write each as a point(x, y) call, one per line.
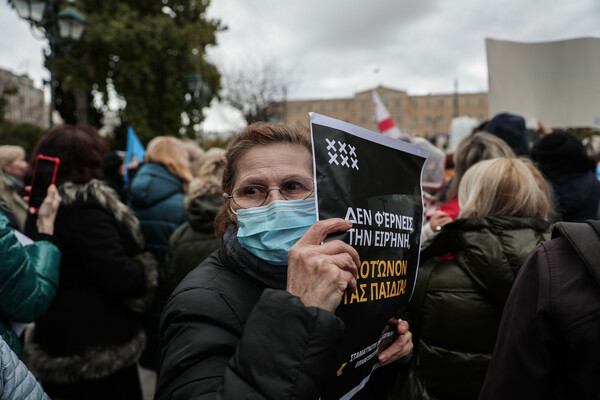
point(67, 24)
point(200, 90)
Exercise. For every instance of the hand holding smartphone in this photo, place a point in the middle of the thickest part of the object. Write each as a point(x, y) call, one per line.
point(44, 175)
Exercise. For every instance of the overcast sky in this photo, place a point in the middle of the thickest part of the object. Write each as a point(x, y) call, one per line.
point(334, 48)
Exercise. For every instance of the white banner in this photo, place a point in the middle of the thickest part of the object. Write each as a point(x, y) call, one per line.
point(557, 83)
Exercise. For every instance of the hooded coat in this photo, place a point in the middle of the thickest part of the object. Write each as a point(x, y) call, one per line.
point(156, 196)
point(193, 241)
point(548, 344)
point(91, 330)
point(456, 308)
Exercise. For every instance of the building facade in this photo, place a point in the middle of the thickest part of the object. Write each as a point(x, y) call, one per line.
point(426, 116)
point(24, 102)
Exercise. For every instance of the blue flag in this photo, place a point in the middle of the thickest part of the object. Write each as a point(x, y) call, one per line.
point(134, 148)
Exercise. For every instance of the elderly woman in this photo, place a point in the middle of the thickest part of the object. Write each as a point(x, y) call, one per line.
point(472, 149)
point(14, 167)
point(467, 272)
point(88, 343)
point(255, 319)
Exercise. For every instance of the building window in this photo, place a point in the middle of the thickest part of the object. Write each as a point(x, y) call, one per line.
point(398, 103)
point(347, 106)
point(441, 102)
point(481, 101)
point(322, 107)
point(467, 101)
point(363, 104)
point(298, 107)
point(334, 106)
point(481, 117)
point(415, 121)
point(427, 103)
point(363, 121)
point(440, 121)
point(427, 120)
point(310, 107)
point(415, 103)
point(386, 104)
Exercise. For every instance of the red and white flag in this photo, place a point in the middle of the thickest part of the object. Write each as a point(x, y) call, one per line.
point(385, 121)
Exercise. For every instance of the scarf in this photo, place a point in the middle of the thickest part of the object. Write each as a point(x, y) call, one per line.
point(271, 276)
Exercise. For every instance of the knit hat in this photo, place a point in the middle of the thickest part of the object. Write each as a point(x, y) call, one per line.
point(510, 128)
point(561, 153)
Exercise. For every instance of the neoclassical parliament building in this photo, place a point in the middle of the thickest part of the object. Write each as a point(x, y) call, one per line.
point(426, 116)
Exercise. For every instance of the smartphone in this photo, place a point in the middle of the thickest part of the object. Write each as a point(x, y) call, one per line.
point(44, 175)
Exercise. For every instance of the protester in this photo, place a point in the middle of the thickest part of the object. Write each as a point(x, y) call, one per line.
point(29, 274)
point(548, 344)
point(156, 196)
point(512, 129)
point(14, 168)
point(466, 274)
point(472, 149)
point(563, 160)
point(16, 381)
point(87, 344)
point(195, 239)
point(255, 319)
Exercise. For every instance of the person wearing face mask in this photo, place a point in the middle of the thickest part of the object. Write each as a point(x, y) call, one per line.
point(14, 167)
point(256, 318)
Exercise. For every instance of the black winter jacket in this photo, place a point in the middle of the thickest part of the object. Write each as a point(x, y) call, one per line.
point(91, 329)
point(457, 304)
point(549, 340)
point(225, 336)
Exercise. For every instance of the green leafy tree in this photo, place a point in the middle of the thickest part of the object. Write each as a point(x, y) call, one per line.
point(143, 51)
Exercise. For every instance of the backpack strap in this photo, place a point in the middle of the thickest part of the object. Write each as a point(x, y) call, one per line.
point(585, 240)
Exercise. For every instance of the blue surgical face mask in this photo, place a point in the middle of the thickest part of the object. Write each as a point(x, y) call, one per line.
point(270, 231)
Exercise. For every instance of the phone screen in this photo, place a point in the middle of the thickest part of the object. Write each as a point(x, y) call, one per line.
point(42, 178)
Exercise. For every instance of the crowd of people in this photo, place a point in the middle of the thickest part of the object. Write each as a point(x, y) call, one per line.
point(212, 271)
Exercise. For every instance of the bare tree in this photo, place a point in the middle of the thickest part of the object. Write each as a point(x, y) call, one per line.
point(257, 90)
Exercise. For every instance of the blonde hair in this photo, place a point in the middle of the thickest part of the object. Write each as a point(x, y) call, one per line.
point(504, 187)
point(208, 177)
point(172, 154)
point(9, 153)
point(472, 149)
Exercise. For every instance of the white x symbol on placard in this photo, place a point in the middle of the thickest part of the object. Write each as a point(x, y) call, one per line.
point(330, 144)
point(333, 158)
point(342, 147)
point(352, 150)
point(355, 163)
point(345, 161)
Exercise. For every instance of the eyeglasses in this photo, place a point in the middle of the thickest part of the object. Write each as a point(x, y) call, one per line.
point(249, 196)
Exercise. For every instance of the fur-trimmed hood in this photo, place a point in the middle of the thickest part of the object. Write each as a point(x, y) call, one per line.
point(92, 365)
point(100, 192)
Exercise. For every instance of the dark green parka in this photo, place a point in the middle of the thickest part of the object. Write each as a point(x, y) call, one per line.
point(28, 280)
point(457, 304)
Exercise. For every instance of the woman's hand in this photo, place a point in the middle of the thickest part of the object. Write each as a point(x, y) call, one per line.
point(401, 347)
point(438, 219)
point(47, 211)
point(319, 274)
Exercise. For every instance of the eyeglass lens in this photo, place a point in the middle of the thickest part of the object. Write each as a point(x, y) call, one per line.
point(255, 195)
